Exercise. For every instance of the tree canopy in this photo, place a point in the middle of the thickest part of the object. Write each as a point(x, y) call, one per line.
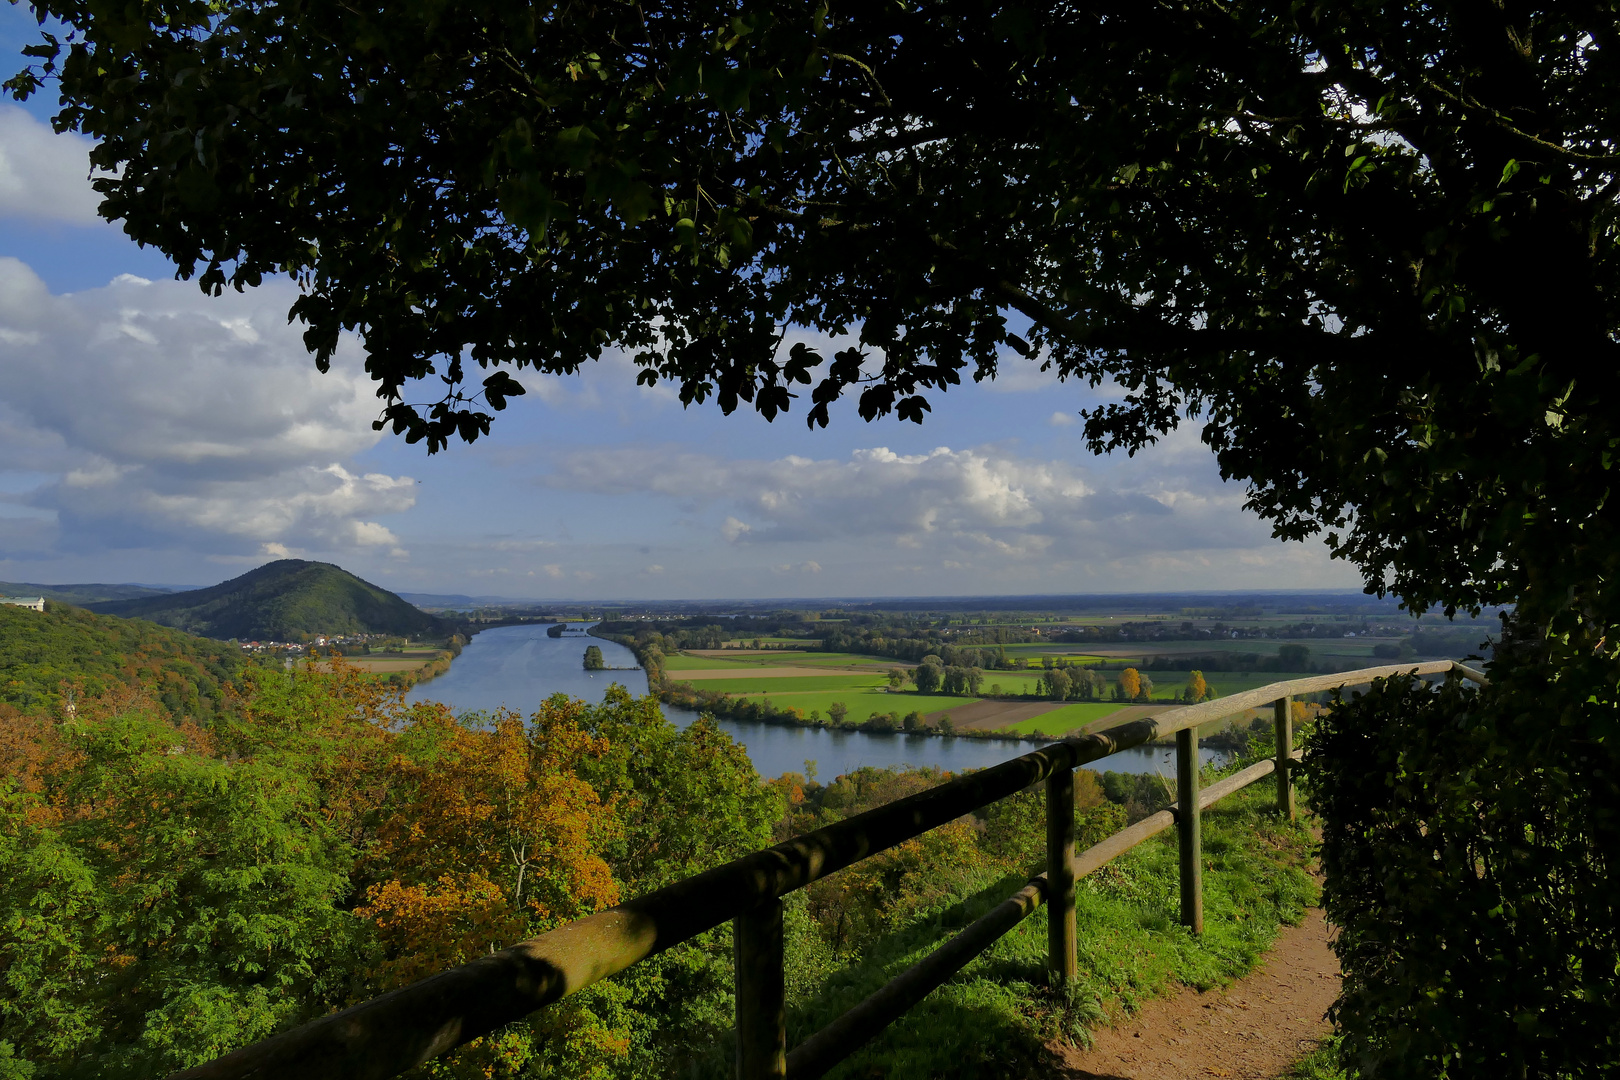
point(1371, 245)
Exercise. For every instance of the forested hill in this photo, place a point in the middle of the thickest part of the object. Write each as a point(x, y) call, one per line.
point(289, 600)
point(40, 651)
point(80, 594)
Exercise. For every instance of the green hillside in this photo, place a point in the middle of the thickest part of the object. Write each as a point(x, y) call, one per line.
point(40, 651)
point(287, 600)
point(79, 594)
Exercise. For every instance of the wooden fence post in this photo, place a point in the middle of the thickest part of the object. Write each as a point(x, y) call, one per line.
point(761, 993)
point(1283, 714)
point(1187, 832)
point(1060, 934)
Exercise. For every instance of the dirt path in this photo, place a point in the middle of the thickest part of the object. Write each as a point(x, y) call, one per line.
point(1255, 1029)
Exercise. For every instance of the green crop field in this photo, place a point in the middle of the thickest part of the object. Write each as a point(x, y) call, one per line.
point(834, 659)
point(1227, 683)
point(851, 680)
point(685, 662)
point(863, 702)
point(1011, 682)
point(1036, 649)
point(1065, 718)
point(682, 662)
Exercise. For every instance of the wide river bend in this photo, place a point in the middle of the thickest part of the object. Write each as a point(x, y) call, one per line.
point(517, 667)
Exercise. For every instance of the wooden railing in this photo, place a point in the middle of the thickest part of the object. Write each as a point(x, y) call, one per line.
point(387, 1035)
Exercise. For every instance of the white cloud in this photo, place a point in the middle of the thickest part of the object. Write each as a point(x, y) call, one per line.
point(1063, 419)
point(986, 507)
point(876, 492)
point(44, 176)
point(169, 417)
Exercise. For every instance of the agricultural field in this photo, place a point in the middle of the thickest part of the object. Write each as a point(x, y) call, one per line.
point(813, 682)
point(698, 660)
point(836, 659)
point(864, 702)
point(776, 684)
point(1035, 650)
point(1011, 683)
point(688, 662)
point(375, 665)
point(1066, 718)
point(1227, 683)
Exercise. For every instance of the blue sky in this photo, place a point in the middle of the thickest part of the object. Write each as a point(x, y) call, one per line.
point(150, 433)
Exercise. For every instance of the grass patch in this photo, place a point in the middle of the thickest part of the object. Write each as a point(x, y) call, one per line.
point(1065, 718)
point(1320, 1064)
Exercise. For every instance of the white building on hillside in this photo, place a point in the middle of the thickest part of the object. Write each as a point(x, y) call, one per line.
point(32, 603)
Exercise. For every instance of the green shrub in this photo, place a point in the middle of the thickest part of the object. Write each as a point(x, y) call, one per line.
point(1469, 845)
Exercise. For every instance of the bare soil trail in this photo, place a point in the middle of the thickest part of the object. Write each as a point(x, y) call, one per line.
point(1254, 1029)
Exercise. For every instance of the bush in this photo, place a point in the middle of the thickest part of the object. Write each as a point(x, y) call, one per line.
point(1469, 841)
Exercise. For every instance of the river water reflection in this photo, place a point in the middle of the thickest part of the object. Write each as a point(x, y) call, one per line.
point(517, 667)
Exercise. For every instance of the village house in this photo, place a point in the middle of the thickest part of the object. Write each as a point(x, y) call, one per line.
point(32, 603)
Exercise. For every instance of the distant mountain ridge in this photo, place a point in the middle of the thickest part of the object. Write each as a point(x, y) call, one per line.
point(283, 601)
point(455, 600)
point(81, 595)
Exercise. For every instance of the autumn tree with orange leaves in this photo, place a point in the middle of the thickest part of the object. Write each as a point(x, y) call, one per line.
point(492, 836)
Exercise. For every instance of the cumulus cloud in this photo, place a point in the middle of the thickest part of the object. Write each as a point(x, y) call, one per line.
point(975, 507)
point(167, 417)
point(1063, 419)
point(44, 176)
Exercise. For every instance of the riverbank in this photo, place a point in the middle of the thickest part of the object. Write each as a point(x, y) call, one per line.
point(810, 698)
point(402, 670)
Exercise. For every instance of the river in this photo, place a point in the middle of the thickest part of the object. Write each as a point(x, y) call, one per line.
point(519, 666)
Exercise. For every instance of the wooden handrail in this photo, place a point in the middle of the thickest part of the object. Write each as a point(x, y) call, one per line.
point(841, 1038)
point(387, 1035)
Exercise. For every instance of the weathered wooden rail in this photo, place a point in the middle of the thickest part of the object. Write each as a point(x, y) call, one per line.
point(387, 1035)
